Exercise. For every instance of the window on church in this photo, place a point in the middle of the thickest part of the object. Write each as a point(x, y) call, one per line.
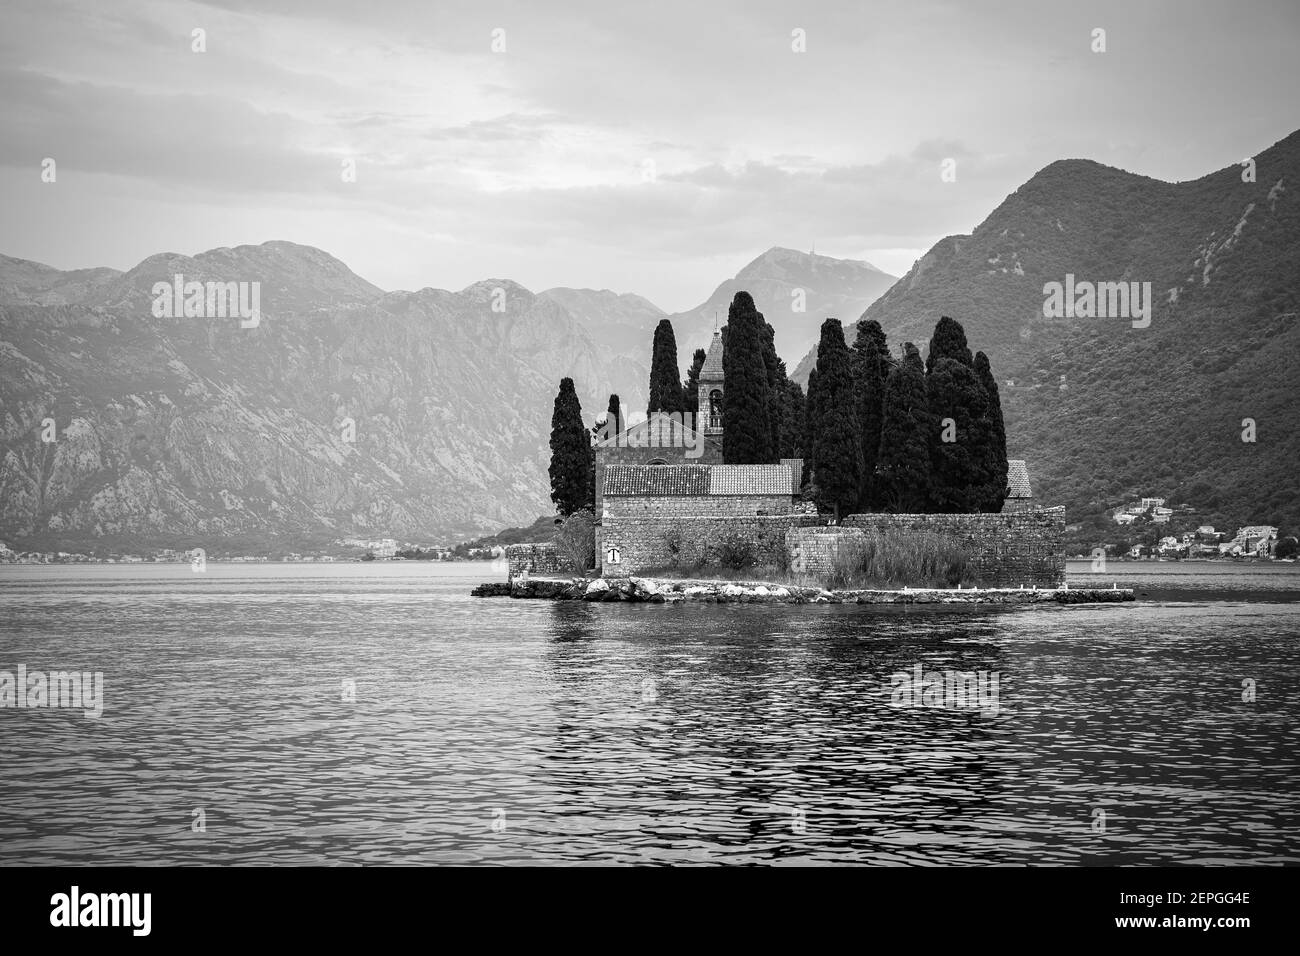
point(715, 409)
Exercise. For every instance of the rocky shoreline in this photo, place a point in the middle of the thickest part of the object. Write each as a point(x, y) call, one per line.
point(671, 591)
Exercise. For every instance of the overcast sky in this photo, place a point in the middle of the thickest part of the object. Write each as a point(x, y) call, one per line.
point(649, 147)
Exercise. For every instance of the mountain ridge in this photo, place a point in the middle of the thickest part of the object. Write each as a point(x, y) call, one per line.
point(1219, 253)
point(191, 429)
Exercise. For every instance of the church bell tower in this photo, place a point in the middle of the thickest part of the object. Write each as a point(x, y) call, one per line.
point(711, 386)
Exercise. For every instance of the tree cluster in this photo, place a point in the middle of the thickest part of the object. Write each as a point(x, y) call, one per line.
point(876, 433)
point(905, 436)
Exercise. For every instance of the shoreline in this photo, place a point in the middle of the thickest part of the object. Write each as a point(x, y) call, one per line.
point(678, 590)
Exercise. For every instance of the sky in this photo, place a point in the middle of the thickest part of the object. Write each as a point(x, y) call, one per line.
point(652, 148)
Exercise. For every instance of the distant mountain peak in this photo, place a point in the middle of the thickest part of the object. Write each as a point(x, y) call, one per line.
point(602, 295)
point(779, 260)
point(486, 288)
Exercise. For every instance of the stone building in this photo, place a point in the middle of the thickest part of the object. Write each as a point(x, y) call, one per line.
point(662, 516)
point(1019, 495)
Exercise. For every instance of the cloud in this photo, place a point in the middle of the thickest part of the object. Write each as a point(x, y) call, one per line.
point(641, 147)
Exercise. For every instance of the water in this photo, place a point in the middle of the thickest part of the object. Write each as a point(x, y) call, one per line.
point(499, 731)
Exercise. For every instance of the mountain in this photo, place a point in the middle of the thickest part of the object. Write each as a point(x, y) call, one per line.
point(1100, 409)
point(294, 278)
point(829, 287)
point(621, 327)
point(32, 283)
point(194, 430)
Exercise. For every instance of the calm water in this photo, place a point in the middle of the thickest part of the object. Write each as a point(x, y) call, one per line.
point(499, 731)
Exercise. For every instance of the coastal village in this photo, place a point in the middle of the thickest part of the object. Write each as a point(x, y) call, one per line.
point(1204, 541)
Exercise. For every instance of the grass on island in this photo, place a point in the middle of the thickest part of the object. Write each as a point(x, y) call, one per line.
point(889, 560)
point(894, 559)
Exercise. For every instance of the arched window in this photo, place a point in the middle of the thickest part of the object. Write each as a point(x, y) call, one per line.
point(657, 461)
point(715, 408)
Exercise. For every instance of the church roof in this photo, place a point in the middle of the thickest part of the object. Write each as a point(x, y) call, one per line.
point(662, 481)
point(711, 370)
point(657, 431)
point(1018, 479)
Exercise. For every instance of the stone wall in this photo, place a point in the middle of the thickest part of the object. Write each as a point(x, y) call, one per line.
point(540, 558)
point(668, 539)
point(679, 505)
point(1007, 550)
point(812, 550)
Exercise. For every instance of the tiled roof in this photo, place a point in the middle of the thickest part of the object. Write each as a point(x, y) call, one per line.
point(656, 480)
point(751, 480)
point(697, 480)
point(1018, 479)
point(711, 370)
point(796, 471)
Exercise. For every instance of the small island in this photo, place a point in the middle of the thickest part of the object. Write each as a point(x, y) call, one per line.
point(889, 483)
point(677, 590)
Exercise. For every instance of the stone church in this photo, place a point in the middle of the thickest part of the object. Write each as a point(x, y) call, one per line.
point(654, 475)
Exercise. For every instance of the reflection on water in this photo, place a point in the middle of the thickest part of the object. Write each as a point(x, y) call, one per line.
point(507, 731)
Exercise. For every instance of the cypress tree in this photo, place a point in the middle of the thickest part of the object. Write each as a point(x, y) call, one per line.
point(812, 413)
point(792, 421)
point(903, 466)
point(838, 451)
point(590, 503)
point(948, 341)
point(775, 369)
point(614, 416)
point(572, 483)
point(665, 374)
point(958, 441)
point(872, 373)
point(691, 390)
point(747, 428)
point(869, 330)
point(995, 451)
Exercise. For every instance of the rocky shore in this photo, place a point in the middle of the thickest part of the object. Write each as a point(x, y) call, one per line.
point(669, 591)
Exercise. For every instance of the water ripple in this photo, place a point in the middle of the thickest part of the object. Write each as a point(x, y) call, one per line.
point(498, 732)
